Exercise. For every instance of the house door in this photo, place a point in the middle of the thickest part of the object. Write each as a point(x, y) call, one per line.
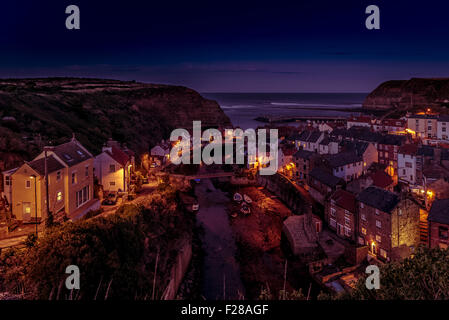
point(373, 248)
point(340, 229)
point(26, 214)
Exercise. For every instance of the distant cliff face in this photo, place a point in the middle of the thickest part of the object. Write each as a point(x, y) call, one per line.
point(409, 94)
point(35, 112)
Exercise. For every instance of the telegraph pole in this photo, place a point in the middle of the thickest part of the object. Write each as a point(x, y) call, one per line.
point(49, 215)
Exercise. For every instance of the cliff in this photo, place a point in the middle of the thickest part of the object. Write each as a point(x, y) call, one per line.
point(410, 95)
point(36, 112)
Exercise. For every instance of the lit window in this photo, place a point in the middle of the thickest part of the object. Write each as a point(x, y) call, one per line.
point(59, 196)
point(383, 253)
point(378, 238)
point(362, 206)
point(364, 231)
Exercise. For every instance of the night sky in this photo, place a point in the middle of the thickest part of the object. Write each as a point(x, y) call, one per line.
point(229, 46)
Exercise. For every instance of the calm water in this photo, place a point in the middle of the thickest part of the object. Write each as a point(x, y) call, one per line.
point(242, 108)
point(221, 271)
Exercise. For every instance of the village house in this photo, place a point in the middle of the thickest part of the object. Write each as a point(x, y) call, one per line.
point(438, 220)
point(113, 168)
point(321, 184)
point(377, 178)
point(388, 148)
point(304, 163)
point(160, 153)
point(366, 150)
point(309, 140)
point(388, 223)
point(341, 214)
point(407, 164)
point(70, 184)
point(286, 164)
point(328, 146)
point(443, 128)
point(7, 184)
point(389, 125)
point(345, 165)
point(423, 126)
point(359, 121)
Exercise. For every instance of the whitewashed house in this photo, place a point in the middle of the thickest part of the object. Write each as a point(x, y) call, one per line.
point(113, 169)
point(407, 163)
point(443, 128)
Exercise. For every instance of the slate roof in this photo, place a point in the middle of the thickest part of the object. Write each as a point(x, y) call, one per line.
point(309, 136)
point(409, 149)
point(52, 165)
point(343, 158)
point(324, 177)
point(345, 200)
point(71, 152)
point(304, 154)
point(381, 179)
point(423, 116)
point(392, 139)
point(378, 198)
point(443, 118)
point(439, 211)
point(426, 151)
point(118, 155)
point(359, 147)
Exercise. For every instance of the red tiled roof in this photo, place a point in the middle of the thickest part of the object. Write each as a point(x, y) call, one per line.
point(408, 149)
point(344, 199)
point(118, 155)
point(381, 179)
point(364, 119)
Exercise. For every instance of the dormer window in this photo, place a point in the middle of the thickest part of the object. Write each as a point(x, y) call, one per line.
point(80, 153)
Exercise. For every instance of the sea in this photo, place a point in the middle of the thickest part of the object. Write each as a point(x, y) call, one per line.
point(243, 108)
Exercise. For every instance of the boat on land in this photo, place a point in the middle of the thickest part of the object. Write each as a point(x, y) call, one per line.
point(245, 210)
point(237, 197)
point(247, 199)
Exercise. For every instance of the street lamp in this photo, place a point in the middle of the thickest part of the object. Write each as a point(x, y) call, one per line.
point(35, 200)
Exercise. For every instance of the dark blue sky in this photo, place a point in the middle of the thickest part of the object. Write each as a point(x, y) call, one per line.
point(240, 46)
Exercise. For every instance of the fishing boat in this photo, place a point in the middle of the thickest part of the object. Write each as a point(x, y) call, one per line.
point(234, 215)
point(237, 197)
point(247, 199)
point(245, 210)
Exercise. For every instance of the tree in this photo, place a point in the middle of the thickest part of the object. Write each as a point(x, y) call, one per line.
point(422, 277)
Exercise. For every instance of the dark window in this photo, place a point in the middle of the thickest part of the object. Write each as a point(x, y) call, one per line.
point(443, 233)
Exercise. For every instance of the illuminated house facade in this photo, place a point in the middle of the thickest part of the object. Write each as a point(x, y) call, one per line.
point(388, 224)
point(113, 169)
point(70, 184)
